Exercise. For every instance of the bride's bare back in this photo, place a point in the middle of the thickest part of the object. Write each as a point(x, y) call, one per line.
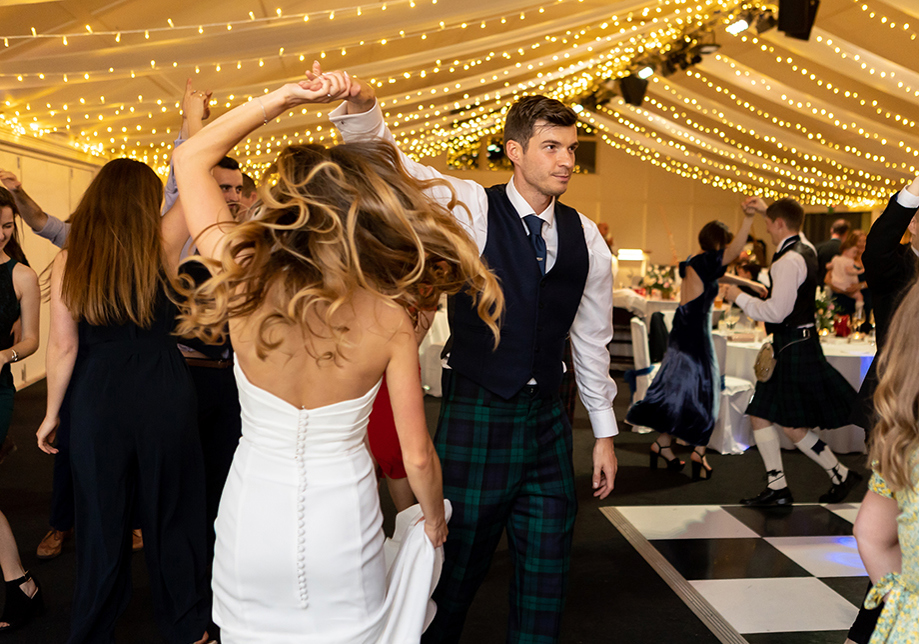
point(376, 331)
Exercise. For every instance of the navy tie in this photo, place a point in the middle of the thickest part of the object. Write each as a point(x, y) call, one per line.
point(534, 223)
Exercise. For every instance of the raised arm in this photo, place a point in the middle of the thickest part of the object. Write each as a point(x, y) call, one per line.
point(884, 238)
point(750, 208)
point(31, 212)
point(206, 212)
point(60, 358)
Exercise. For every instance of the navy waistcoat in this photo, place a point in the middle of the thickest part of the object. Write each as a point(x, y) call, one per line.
point(805, 308)
point(538, 311)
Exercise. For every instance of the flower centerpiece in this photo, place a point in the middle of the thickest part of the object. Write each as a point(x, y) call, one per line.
point(826, 310)
point(659, 280)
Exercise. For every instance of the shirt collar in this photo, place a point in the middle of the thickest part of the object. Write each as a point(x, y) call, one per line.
point(523, 208)
point(784, 242)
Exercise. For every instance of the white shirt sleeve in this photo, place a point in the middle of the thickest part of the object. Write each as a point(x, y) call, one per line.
point(55, 231)
point(907, 199)
point(472, 213)
point(591, 331)
point(788, 273)
point(592, 328)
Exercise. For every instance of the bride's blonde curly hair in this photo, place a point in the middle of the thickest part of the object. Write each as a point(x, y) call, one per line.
point(334, 221)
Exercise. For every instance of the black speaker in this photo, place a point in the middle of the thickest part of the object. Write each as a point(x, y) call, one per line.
point(633, 89)
point(796, 17)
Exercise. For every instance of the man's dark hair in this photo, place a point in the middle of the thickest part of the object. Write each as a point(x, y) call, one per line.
point(248, 185)
point(521, 118)
point(715, 235)
point(840, 227)
point(228, 163)
point(789, 211)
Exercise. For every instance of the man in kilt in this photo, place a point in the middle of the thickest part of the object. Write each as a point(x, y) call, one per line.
point(804, 391)
point(503, 437)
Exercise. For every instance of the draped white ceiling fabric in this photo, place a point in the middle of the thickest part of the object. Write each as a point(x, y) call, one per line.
point(830, 120)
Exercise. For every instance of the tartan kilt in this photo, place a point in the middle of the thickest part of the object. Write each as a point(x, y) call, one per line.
point(805, 390)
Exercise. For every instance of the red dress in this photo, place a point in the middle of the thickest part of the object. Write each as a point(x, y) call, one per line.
point(382, 436)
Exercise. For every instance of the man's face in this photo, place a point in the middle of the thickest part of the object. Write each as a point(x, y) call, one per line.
point(776, 229)
point(548, 160)
point(231, 185)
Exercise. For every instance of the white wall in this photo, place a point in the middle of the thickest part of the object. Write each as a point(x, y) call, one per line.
point(56, 183)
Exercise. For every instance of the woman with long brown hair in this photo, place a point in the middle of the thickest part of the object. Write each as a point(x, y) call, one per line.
point(132, 406)
point(318, 288)
point(19, 301)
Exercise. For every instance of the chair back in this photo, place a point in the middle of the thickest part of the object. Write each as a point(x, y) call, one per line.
point(640, 351)
point(721, 350)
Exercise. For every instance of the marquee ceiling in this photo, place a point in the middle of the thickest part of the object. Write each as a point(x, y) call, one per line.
point(830, 120)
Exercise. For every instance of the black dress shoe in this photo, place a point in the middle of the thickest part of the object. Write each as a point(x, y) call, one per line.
point(839, 491)
point(769, 498)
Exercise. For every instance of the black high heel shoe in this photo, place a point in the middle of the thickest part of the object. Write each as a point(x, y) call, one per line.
point(698, 467)
point(673, 464)
point(19, 608)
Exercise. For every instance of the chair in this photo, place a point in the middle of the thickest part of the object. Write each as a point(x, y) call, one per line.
point(731, 434)
point(620, 347)
point(639, 378)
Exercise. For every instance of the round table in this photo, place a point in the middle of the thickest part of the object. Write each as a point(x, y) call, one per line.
point(851, 359)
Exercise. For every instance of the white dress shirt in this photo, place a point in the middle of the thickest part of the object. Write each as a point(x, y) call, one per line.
point(788, 273)
point(592, 328)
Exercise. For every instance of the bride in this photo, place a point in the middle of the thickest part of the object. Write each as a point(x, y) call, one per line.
point(321, 289)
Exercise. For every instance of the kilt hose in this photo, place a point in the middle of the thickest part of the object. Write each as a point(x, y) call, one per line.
point(506, 464)
point(804, 390)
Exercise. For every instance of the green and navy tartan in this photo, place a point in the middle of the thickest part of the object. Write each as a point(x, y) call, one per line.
point(506, 465)
point(804, 390)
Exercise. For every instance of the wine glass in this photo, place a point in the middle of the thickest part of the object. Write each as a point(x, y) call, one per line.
point(856, 320)
point(731, 317)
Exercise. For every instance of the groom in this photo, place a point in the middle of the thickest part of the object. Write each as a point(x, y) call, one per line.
point(503, 436)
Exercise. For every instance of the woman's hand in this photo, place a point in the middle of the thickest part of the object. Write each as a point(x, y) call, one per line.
point(46, 434)
point(437, 531)
point(753, 205)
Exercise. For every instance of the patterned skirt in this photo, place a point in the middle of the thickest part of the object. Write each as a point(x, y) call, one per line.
point(805, 390)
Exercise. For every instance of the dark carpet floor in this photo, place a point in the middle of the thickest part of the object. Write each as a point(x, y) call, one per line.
point(614, 595)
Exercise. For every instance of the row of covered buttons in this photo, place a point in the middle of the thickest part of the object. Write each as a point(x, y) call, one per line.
point(301, 507)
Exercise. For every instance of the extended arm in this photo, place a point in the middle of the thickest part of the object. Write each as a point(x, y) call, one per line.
point(788, 274)
point(876, 533)
point(31, 212)
point(881, 273)
point(206, 212)
point(740, 281)
point(63, 343)
point(734, 249)
point(421, 463)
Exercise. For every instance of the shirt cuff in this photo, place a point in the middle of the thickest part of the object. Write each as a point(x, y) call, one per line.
point(363, 123)
point(907, 199)
point(603, 423)
point(743, 299)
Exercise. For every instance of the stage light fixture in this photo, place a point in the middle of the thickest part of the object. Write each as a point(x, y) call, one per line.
point(646, 72)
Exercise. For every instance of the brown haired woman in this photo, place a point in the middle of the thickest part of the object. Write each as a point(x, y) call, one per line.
point(684, 396)
point(132, 406)
point(19, 300)
point(317, 288)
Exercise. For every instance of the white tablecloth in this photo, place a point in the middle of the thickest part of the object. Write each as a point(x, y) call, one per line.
point(850, 359)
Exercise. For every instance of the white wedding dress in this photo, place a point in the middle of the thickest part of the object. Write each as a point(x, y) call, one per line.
point(300, 554)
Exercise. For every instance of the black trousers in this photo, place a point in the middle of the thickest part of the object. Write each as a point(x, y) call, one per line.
point(134, 436)
point(62, 483)
point(219, 429)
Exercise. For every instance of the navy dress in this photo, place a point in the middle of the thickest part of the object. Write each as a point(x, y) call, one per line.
point(684, 395)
